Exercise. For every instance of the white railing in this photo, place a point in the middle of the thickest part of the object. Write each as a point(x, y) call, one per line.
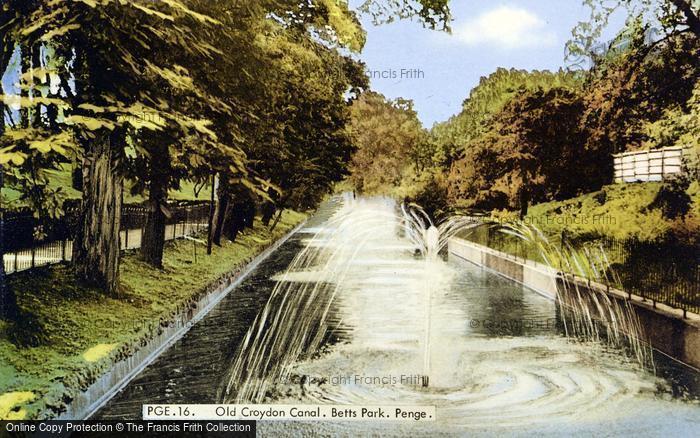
point(651, 165)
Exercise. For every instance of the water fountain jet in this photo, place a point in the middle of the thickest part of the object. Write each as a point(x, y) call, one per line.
point(294, 322)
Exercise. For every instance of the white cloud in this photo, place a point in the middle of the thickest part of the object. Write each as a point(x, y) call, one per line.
point(506, 27)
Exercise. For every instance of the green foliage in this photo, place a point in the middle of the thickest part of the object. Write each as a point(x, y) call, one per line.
point(434, 13)
point(679, 126)
point(390, 144)
point(302, 147)
point(529, 152)
point(104, 74)
point(89, 322)
point(621, 211)
point(344, 25)
point(672, 199)
point(432, 197)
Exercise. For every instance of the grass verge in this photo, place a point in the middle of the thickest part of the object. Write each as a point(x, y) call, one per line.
point(81, 331)
point(626, 229)
point(620, 211)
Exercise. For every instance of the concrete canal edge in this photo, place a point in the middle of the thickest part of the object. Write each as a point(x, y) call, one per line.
point(665, 327)
point(88, 402)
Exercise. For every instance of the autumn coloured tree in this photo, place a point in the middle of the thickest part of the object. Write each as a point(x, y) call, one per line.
point(628, 90)
point(388, 137)
point(532, 152)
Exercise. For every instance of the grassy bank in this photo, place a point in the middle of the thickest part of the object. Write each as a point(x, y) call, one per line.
point(616, 215)
point(620, 211)
point(81, 332)
point(625, 228)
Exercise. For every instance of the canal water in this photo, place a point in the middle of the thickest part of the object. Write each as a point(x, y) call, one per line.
point(496, 358)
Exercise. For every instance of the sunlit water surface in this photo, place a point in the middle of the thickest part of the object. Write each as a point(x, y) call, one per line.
point(498, 363)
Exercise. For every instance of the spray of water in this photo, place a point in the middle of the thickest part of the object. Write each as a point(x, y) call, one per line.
point(295, 321)
point(430, 240)
point(588, 313)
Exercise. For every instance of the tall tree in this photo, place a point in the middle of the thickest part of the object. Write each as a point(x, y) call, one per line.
point(386, 134)
point(532, 152)
point(669, 17)
point(628, 89)
point(303, 147)
point(114, 43)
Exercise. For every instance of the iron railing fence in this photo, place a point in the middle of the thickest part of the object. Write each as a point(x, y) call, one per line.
point(30, 242)
point(662, 271)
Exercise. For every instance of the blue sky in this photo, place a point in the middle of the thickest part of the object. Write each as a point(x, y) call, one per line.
point(440, 69)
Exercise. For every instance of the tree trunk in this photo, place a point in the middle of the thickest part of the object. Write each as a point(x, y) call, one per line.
point(268, 212)
point(233, 222)
point(96, 245)
point(241, 216)
point(249, 211)
point(281, 205)
point(524, 202)
point(154, 231)
point(222, 211)
point(277, 219)
point(212, 213)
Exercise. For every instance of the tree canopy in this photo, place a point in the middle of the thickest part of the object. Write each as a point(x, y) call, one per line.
point(254, 92)
point(663, 17)
point(526, 137)
point(389, 138)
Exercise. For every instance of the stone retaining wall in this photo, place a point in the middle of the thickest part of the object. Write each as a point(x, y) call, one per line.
point(665, 327)
point(122, 372)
